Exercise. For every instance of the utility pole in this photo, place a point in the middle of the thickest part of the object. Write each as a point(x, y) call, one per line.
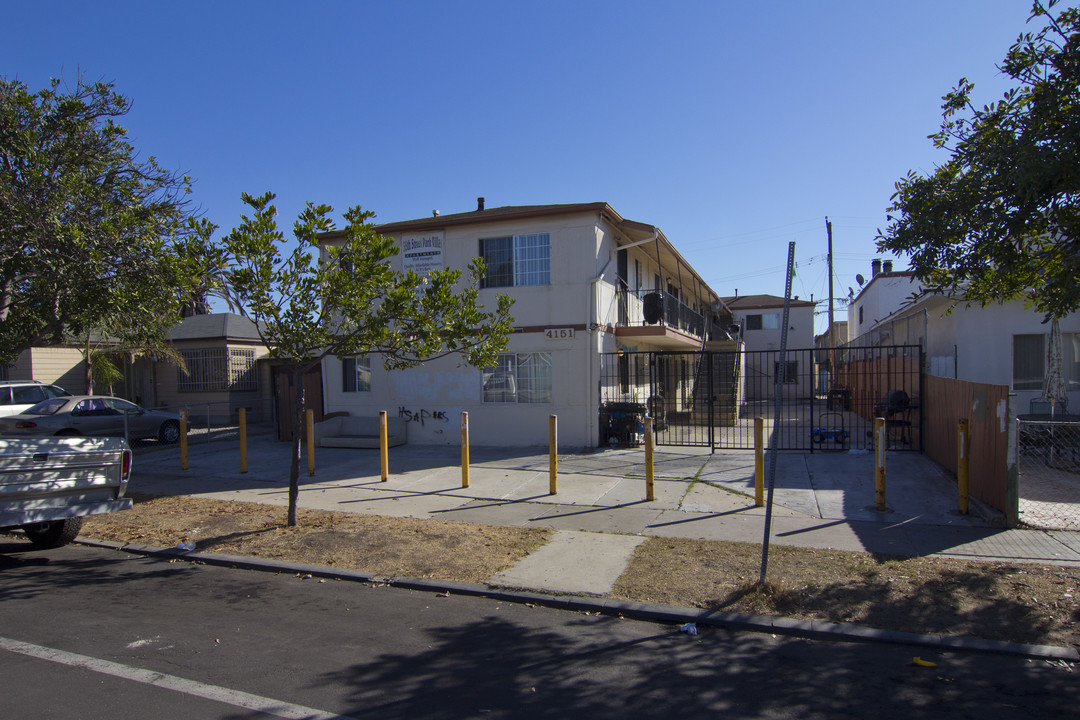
point(832, 335)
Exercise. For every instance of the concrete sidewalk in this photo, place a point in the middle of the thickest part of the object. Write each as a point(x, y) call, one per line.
point(820, 500)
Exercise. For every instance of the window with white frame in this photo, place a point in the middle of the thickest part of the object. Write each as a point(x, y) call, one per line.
point(356, 374)
point(519, 378)
point(517, 261)
point(217, 370)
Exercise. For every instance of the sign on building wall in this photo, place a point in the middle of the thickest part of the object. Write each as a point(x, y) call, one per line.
point(422, 253)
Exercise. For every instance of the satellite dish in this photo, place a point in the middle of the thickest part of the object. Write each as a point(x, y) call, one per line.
point(860, 279)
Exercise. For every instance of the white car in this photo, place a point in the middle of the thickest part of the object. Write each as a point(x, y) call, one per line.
point(19, 395)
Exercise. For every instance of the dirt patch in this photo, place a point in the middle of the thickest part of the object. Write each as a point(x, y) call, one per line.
point(1015, 602)
point(382, 545)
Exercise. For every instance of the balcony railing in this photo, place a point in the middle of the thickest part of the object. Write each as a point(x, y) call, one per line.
point(643, 308)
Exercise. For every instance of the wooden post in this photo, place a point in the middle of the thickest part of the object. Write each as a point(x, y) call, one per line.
point(650, 489)
point(384, 455)
point(553, 455)
point(759, 462)
point(183, 439)
point(309, 428)
point(243, 440)
point(464, 449)
point(880, 440)
point(963, 463)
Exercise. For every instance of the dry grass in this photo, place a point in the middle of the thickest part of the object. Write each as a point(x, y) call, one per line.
point(1001, 601)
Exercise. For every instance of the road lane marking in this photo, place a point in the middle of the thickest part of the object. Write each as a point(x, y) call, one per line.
point(216, 693)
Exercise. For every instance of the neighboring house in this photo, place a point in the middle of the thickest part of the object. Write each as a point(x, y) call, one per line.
point(880, 297)
point(588, 284)
point(760, 317)
point(1000, 344)
point(226, 369)
point(63, 366)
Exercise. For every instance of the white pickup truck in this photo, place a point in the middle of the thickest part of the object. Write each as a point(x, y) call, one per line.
point(48, 484)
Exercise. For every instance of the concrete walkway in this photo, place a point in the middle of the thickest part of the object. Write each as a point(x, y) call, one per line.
point(820, 500)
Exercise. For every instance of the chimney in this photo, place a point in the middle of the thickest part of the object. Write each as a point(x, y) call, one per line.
point(887, 266)
point(479, 204)
point(875, 267)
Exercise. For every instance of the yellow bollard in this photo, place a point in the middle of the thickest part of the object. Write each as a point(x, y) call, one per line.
point(880, 438)
point(759, 462)
point(243, 440)
point(553, 455)
point(384, 457)
point(464, 449)
point(963, 462)
point(309, 428)
point(650, 488)
point(183, 439)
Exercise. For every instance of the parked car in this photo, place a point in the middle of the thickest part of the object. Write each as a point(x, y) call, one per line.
point(92, 415)
point(19, 395)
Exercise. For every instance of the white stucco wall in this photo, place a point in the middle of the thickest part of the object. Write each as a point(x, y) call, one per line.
point(885, 294)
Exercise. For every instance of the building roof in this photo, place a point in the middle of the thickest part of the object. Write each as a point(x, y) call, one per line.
point(758, 302)
point(216, 326)
point(633, 231)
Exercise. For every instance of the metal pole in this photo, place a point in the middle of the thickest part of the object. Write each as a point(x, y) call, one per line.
point(464, 449)
point(650, 488)
point(309, 428)
point(778, 401)
point(880, 439)
point(384, 456)
point(553, 455)
point(759, 462)
point(183, 439)
point(243, 440)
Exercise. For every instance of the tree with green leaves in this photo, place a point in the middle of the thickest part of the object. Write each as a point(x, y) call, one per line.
point(350, 301)
point(87, 228)
point(998, 221)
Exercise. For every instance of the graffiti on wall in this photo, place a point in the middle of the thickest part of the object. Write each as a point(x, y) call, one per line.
point(422, 416)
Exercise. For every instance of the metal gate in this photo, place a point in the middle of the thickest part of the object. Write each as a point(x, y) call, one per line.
point(711, 399)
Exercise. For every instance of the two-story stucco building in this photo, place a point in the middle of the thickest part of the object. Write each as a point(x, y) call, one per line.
point(587, 284)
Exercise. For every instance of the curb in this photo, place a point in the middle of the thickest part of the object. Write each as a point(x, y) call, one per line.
point(810, 629)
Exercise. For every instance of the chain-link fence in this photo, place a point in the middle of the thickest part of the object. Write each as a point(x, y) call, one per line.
point(206, 423)
point(1048, 460)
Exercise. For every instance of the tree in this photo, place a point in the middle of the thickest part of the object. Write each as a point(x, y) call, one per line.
point(998, 221)
point(87, 228)
point(351, 302)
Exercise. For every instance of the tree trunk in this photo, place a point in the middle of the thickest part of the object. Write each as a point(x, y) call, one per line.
point(298, 438)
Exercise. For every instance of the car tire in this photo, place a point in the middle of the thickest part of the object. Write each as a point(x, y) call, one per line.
point(169, 432)
point(53, 534)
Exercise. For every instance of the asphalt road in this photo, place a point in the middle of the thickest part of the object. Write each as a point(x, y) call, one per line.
point(89, 633)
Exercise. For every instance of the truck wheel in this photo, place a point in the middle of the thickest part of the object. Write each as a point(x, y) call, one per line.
point(169, 432)
point(53, 534)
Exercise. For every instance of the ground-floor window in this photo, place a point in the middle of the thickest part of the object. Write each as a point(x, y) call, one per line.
point(519, 378)
point(217, 370)
point(356, 374)
point(1030, 356)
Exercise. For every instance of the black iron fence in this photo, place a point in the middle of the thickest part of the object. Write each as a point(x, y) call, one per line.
point(712, 399)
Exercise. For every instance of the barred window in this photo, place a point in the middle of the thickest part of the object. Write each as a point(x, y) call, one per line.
point(516, 261)
point(519, 378)
point(217, 370)
point(356, 374)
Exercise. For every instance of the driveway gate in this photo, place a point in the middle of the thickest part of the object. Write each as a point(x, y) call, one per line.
point(711, 399)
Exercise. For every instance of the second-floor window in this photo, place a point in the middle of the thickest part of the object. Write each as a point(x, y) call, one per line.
point(767, 321)
point(517, 260)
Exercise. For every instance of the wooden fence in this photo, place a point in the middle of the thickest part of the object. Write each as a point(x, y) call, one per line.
point(945, 401)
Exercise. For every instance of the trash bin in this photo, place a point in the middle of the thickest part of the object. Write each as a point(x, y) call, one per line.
point(625, 423)
point(839, 398)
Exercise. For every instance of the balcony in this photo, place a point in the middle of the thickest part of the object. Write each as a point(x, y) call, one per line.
point(658, 318)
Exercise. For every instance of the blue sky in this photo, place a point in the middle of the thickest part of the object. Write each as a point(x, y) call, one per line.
point(736, 127)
